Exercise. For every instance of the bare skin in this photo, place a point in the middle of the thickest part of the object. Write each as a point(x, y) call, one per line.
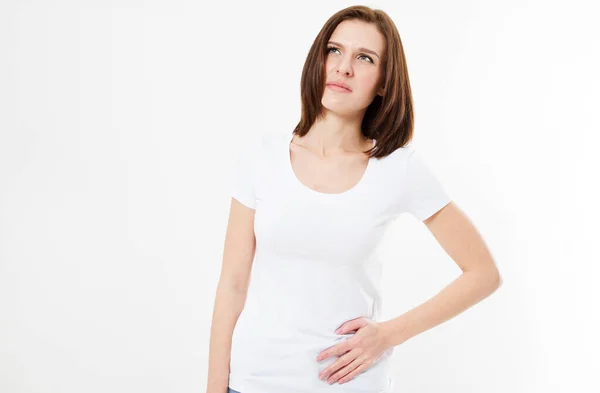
point(330, 175)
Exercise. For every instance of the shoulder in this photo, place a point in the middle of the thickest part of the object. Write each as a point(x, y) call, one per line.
point(271, 142)
point(264, 143)
point(403, 153)
point(397, 161)
point(404, 165)
point(260, 150)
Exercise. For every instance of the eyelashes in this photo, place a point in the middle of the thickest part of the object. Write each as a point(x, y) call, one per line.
point(329, 48)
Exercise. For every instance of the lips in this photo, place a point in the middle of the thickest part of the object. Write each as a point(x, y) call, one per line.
point(339, 84)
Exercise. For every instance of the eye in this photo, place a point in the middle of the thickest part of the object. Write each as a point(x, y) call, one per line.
point(329, 49)
point(371, 60)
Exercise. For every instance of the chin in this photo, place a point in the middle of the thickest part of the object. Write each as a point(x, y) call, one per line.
point(340, 108)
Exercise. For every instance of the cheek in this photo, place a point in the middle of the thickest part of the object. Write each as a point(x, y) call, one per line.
point(368, 83)
point(329, 66)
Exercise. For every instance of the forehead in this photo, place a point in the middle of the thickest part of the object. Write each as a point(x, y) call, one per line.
point(356, 33)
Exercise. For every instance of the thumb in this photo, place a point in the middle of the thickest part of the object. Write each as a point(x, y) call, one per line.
point(349, 326)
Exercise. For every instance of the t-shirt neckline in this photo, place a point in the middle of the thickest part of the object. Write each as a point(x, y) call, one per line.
point(300, 184)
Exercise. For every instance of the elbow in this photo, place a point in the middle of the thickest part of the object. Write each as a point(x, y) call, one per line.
point(495, 279)
point(488, 278)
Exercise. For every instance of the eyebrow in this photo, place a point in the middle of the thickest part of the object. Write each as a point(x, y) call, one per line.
point(360, 49)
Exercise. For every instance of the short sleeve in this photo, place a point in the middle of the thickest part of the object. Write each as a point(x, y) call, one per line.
point(424, 194)
point(243, 179)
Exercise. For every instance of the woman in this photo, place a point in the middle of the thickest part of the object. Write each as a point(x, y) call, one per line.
point(307, 213)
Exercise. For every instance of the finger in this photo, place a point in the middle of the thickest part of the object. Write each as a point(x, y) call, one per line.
point(335, 366)
point(351, 325)
point(338, 349)
point(361, 368)
point(352, 366)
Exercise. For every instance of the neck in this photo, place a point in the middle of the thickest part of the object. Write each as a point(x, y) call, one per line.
point(333, 134)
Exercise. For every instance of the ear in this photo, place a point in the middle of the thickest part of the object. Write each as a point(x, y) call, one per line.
point(381, 91)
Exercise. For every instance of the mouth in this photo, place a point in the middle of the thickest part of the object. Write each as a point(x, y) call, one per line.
point(338, 87)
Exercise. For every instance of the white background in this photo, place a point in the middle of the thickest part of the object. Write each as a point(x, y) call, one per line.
point(119, 126)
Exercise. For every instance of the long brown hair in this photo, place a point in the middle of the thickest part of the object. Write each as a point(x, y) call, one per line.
point(388, 119)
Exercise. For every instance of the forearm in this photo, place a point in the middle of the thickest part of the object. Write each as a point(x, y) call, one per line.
point(462, 293)
point(229, 303)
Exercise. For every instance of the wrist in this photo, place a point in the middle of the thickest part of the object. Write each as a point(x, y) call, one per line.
point(394, 332)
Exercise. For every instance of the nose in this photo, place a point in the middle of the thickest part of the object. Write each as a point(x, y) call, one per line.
point(344, 67)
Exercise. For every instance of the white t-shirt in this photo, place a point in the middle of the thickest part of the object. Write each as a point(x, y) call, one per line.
point(315, 266)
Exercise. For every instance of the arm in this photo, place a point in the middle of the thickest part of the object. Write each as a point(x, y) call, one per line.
point(480, 277)
point(238, 255)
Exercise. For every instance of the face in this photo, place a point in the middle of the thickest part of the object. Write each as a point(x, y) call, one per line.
point(354, 57)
